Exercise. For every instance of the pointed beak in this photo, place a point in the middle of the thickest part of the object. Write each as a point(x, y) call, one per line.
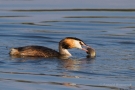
point(84, 47)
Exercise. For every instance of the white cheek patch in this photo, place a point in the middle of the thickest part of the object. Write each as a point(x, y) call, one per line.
point(77, 45)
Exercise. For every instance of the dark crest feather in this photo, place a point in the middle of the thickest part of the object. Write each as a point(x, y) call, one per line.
point(75, 39)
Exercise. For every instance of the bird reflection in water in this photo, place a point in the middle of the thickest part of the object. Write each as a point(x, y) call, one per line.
point(69, 64)
point(75, 64)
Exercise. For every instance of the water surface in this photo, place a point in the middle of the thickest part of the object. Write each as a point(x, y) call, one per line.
point(108, 27)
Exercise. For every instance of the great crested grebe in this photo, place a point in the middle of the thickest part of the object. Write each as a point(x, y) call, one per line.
point(40, 51)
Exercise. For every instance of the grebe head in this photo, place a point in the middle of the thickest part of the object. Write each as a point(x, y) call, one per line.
point(69, 43)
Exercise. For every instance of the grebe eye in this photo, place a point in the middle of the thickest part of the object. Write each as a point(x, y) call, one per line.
point(81, 43)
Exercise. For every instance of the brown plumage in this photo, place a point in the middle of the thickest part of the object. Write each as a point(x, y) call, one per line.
point(32, 51)
point(91, 52)
point(41, 51)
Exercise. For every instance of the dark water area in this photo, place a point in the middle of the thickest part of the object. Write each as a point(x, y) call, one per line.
point(108, 27)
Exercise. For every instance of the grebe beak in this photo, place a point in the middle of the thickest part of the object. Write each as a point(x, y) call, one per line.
point(84, 47)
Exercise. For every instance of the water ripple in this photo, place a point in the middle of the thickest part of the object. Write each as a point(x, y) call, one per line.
point(109, 31)
point(42, 10)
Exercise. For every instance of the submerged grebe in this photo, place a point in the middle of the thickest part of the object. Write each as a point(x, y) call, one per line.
point(40, 51)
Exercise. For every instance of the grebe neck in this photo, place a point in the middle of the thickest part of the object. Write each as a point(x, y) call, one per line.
point(63, 51)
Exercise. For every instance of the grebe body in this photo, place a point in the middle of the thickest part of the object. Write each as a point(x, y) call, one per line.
point(41, 51)
point(34, 51)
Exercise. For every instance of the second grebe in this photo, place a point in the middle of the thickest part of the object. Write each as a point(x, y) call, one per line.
point(40, 51)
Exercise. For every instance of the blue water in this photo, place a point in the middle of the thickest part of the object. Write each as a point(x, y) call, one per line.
point(107, 27)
